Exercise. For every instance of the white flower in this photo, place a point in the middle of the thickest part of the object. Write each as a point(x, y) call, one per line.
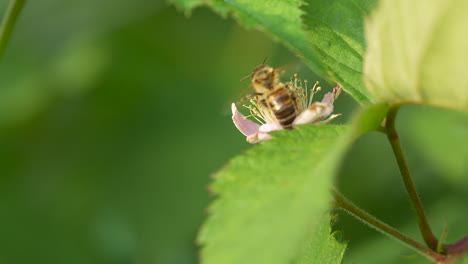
point(308, 113)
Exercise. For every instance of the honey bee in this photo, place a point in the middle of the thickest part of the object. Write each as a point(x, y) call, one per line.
point(274, 95)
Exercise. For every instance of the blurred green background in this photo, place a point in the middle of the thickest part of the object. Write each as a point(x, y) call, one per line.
point(114, 114)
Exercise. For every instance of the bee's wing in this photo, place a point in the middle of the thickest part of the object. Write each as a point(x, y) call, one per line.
point(245, 94)
point(288, 70)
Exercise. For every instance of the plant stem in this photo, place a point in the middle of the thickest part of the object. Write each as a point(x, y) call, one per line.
point(8, 23)
point(457, 248)
point(392, 135)
point(345, 204)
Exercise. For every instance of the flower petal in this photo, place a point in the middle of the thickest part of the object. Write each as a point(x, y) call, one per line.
point(328, 98)
point(245, 126)
point(258, 137)
point(268, 127)
point(316, 112)
point(262, 133)
point(319, 110)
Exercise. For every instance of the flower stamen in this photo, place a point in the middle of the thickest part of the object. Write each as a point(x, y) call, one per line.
point(254, 113)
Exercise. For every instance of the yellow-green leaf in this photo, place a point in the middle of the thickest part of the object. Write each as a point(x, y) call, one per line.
point(417, 52)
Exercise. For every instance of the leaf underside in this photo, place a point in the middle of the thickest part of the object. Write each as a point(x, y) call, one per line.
point(417, 53)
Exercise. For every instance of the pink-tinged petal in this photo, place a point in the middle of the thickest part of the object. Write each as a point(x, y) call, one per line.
point(255, 133)
point(262, 134)
point(315, 113)
point(258, 137)
point(328, 98)
point(268, 127)
point(245, 126)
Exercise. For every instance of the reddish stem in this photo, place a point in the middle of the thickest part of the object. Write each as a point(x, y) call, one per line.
point(458, 247)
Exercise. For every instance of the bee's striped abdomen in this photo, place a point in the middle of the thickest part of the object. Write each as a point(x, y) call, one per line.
point(282, 105)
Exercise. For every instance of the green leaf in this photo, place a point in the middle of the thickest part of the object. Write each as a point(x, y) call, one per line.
point(271, 196)
point(417, 53)
point(334, 43)
point(330, 249)
point(336, 32)
point(271, 200)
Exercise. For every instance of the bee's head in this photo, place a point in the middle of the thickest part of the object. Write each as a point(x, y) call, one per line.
point(264, 78)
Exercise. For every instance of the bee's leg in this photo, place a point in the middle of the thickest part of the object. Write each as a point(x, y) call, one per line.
point(249, 96)
point(263, 103)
